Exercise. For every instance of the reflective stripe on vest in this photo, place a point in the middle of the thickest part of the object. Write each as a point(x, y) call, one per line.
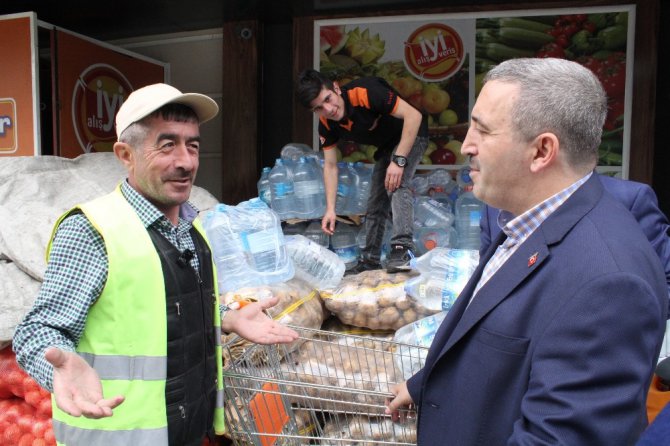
point(125, 336)
point(98, 437)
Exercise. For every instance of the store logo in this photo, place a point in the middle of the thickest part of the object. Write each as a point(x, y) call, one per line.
point(7, 126)
point(434, 52)
point(97, 96)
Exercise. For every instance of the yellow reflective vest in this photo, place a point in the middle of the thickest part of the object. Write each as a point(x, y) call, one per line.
point(125, 336)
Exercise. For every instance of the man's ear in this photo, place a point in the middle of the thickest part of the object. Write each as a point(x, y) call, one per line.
point(546, 148)
point(124, 153)
point(336, 88)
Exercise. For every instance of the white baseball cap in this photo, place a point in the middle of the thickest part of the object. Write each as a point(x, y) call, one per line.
point(146, 100)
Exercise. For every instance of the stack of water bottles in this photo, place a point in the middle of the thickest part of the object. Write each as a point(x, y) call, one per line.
point(248, 245)
point(446, 213)
point(294, 187)
point(443, 274)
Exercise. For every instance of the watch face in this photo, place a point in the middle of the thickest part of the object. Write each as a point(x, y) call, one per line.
point(400, 160)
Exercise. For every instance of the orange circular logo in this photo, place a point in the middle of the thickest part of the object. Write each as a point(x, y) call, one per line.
point(97, 96)
point(434, 52)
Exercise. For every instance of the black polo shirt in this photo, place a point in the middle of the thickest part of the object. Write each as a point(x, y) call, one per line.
point(368, 103)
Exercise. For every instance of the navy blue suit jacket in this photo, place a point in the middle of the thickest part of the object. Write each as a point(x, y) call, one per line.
point(559, 346)
point(638, 198)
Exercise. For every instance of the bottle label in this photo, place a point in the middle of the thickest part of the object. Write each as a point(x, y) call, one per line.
point(282, 189)
point(260, 241)
point(342, 190)
point(306, 188)
point(475, 217)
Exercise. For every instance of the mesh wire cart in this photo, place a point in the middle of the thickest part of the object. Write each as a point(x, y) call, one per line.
point(326, 389)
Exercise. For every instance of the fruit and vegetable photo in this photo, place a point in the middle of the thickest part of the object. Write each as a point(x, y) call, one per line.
point(596, 41)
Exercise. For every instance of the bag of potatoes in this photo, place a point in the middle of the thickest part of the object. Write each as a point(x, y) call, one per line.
point(376, 300)
point(299, 305)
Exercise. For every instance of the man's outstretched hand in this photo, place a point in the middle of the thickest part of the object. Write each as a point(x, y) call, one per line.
point(77, 387)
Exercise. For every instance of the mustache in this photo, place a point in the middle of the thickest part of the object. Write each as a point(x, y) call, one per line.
point(179, 175)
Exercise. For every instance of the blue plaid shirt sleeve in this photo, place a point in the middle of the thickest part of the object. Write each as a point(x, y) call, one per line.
point(74, 278)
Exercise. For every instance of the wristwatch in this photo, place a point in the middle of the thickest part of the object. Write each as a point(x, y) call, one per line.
point(399, 160)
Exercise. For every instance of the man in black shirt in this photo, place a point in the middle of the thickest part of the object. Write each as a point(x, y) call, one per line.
point(370, 111)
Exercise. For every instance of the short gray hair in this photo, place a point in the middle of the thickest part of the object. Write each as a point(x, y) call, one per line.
point(557, 96)
point(136, 133)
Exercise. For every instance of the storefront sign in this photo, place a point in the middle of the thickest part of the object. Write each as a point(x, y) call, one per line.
point(19, 99)
point(93, 81)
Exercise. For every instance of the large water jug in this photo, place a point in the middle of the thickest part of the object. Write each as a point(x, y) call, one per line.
point(468, 216)
point(315, 264)
point(352, 199)
point(440, 181)
point(263, 185)
point(343, 243)
point(432, 213)
point(248, 245)
point(428, 238)
point(358, 199)
point(343, 185)
point(308, 198)
point(316, 234)
point(281, 188)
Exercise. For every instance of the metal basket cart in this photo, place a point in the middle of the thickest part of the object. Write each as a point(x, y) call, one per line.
point(326, 388)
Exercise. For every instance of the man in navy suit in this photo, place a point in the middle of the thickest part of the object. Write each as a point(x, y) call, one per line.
point(555, 337)
point(638, 198)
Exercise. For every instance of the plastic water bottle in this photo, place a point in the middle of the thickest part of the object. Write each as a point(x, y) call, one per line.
point(463, 179)
point(264, 192)
point(316, 234)
point(227, 249)
point(248, 245)
point(437, 292)
point(468, 215)
point(315, 264)
point(343, 243)
point(428, 238)
point(262, 237)
point(440, 181)
point(441, 260)
point(294, 228)
point(354, 182)
point(309, 203)
point(419, 185)
point(422, 333)
point(343, 185)
point(360, 202)
point(432, 213)
point(281, 187)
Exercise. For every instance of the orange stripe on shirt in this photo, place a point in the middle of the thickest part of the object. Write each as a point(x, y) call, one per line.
point(324, 121)
point(359, 97)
